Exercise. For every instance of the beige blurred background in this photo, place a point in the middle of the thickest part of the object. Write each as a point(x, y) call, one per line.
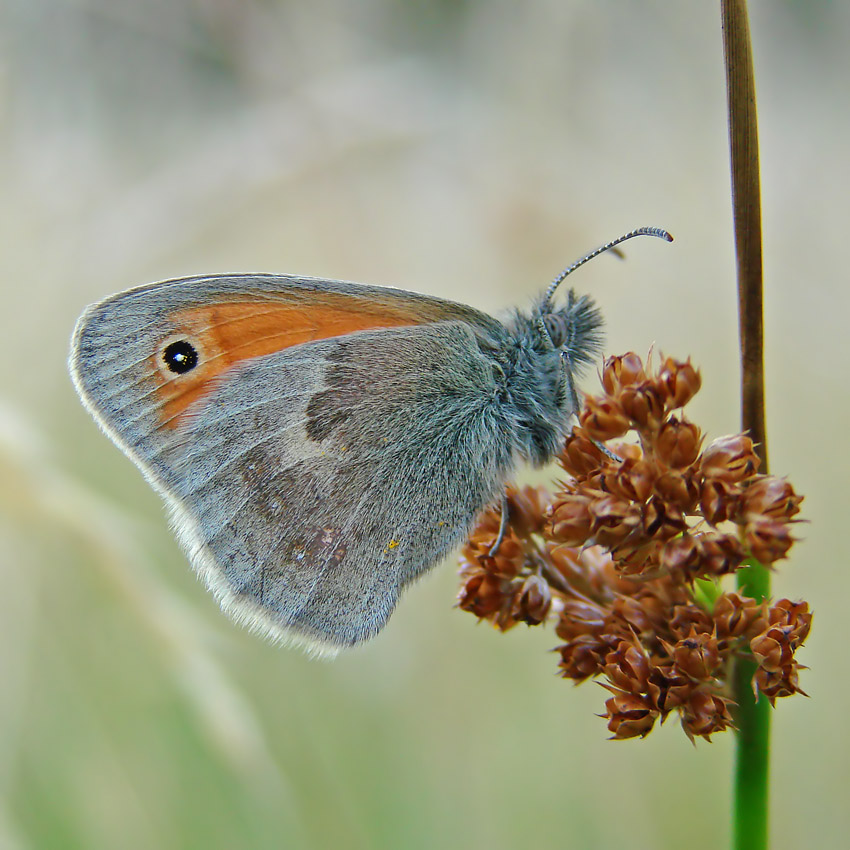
point(464, 149)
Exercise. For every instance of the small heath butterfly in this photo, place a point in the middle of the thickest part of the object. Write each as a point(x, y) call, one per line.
point(322, 444)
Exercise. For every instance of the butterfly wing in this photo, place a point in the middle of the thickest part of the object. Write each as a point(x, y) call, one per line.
point(331, 443)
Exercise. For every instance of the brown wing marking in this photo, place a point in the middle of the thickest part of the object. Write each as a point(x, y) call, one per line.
point(231, 331)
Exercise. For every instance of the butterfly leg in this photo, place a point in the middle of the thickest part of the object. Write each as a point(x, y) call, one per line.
point(503, 526)
point(572, 392)
point(607, 452)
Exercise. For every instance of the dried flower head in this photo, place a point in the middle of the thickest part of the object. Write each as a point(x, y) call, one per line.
point(626, 558)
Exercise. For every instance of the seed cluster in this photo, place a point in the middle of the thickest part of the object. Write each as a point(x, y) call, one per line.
point(628, 556)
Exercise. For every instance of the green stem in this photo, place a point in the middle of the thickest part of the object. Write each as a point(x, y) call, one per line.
point(752, 718)
point(750, 823)
point(752, 768)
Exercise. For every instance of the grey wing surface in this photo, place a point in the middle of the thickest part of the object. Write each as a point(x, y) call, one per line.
point(315, 483)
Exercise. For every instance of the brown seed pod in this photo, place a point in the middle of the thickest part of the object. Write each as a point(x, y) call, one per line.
point(629, 715)
point(622, 371)
point(678, 382)
point(678, 443)
point(730, 459)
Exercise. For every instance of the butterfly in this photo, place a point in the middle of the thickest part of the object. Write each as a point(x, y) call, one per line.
point(321, 444)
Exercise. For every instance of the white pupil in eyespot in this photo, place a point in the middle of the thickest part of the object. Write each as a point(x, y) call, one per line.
point(180, 357)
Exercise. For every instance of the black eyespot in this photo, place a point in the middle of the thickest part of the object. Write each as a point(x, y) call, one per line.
point(180, 356)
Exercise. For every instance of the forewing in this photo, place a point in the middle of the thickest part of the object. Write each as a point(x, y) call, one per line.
point(117, 350)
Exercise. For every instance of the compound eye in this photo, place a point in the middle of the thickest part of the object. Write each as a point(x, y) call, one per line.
point(556, 326)
point(180, 356)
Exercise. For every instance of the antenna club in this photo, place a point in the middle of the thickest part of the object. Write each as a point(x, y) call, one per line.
point(660, 233)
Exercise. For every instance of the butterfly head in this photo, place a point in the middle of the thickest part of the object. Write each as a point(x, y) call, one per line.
point(550, 348)
point(552, 345)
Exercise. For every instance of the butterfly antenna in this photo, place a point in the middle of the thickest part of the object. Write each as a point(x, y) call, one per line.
point(640, 231)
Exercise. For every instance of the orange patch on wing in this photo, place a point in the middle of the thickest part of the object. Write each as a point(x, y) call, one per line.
point(232, 331)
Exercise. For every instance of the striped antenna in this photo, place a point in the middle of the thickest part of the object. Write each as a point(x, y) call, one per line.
point(641, 231)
